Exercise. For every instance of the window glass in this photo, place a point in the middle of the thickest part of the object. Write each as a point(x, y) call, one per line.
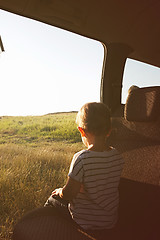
point(139, 74)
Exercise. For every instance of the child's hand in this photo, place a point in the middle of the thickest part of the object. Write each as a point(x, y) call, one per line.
point(69, 191)
point(57, 192)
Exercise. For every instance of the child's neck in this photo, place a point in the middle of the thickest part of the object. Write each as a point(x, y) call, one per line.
point(97, 144)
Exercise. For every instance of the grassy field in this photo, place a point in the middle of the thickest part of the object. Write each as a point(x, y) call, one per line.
point(35, 154)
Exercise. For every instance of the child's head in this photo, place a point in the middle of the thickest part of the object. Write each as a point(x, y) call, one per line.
point(94, 117)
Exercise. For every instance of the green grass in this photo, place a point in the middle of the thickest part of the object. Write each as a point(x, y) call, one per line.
point(33, 130)
point(35, 154)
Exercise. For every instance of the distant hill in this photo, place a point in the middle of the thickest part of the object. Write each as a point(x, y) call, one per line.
point(61, 112)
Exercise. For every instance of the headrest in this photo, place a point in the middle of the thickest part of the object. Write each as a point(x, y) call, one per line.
point(143, 104)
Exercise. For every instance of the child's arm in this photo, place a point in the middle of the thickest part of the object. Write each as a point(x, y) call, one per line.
point(69, 191)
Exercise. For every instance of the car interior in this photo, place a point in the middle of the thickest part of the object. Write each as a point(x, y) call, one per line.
point(127, 29)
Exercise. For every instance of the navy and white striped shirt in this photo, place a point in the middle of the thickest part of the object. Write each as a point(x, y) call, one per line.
point(96, 205)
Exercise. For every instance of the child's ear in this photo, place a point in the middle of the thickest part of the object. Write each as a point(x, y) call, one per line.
point(82, 131)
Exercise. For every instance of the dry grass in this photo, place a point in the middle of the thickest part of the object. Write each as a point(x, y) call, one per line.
point(28, 174)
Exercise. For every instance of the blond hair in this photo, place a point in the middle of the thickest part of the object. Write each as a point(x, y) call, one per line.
point(95, 118)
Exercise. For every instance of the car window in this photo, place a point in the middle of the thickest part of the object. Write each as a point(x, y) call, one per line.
point(139, 74)
point(45, 69)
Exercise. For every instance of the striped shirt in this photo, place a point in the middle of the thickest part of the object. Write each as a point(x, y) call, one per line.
point(96, 205)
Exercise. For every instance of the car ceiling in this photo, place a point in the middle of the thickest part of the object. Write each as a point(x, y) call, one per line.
point(133, 23)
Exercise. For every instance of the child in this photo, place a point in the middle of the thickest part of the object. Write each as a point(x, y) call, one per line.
point(94, 175)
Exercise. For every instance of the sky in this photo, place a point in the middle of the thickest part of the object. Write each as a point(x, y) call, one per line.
point(45, 69)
